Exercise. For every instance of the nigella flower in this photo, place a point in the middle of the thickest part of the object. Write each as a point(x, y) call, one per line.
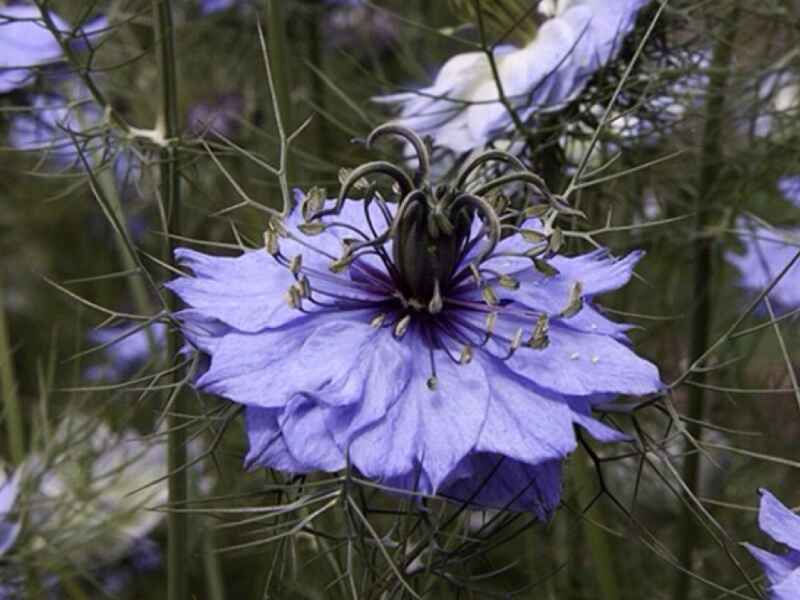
point(778, 102)
point(25, 43)
point(411, 335)
point(211, 6)
point(221, 115)
point(9, 530)
point(783, 526)
point(60, 126)
point(789, 186)
point(128, 348)
point(354, 26)
point(767, 251)
point(462, 109)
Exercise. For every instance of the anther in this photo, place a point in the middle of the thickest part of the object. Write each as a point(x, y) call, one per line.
point(377, 320)
point(508, 282)
point(401, 326)
point(575, 302)
point(311, 229)
point(516, 341)
point(466, 355)
point(271, 242)
point(489, 296)
point(540, 340)
point(432, 383)
point(491, 321)
point(340, 264)
point(293, 297)
point(545, 268)
point(296, 264)
point(532, 236)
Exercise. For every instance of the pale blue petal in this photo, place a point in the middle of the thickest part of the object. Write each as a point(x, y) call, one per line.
point(328, 358)
point(267, 447)
point(788, 589)
point(434, 428)
point(307, 436)
point(494, 481)
point(778, 522)
point(246, 292)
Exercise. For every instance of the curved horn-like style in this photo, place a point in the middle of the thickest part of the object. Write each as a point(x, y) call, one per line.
point(494, 229)
point(482, 159)
point(526, 176)
point(423, 156)
point(378, 166)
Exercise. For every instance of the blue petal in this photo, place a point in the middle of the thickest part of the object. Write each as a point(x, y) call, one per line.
point(788, 589)
point(246, 292)
point(267, 445)
point(328, 358)
point(776, 568)
point(492, 480)
point(435, 428)
point(779, 522)
point(767, 252)
point(522, 422)
point(582, 364)
point(307, 436)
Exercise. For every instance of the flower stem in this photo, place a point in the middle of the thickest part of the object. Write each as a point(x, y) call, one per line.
point(711, 159)
point(599, 548)
point(277, 43)
point(177, 522)
point(8, 386)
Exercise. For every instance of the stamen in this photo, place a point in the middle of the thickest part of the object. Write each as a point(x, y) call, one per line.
point(296, 264)
point(436, 304)
point(293, 296)
point(575, 302)
point(271, 242)
point(540, 340)
point(466, 355)
point(489, 296)
point(401, 327)
point(311, 228)
point(377, 320)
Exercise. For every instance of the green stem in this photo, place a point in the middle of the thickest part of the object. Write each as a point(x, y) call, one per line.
point(177, 522)
point(8, 385)
point(277, 44)
point(599, 548)
point(710, 162)
point(213, 573)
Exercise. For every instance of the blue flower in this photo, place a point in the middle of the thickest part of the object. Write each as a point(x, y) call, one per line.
point(783, 526)
point(25, 43)
point(778, 102)
point(354, 26)
point(462, 110)
point(767, 251)
point(789, 186)
point(221, 114)
point(414, 340)
point(9, 531)
point(51, 121)
point(129, 347)
point(211, 6)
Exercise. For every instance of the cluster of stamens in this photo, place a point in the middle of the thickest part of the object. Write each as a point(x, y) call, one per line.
point(431, 241)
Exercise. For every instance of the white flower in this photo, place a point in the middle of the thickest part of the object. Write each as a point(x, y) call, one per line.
point(462, 109)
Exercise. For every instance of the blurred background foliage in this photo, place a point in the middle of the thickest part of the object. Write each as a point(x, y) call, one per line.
point(330, 60)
